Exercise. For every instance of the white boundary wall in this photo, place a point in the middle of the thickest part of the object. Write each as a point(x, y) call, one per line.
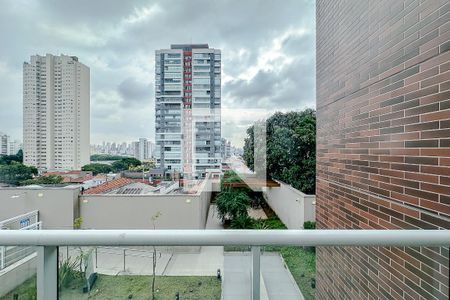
point(177, 211)
point(57, 206)
point(292, 206)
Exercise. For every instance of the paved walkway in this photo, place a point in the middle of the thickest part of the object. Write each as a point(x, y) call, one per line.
point(204, 263)
point(276, 283)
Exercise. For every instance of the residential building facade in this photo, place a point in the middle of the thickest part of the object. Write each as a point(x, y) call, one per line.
point(188, 106)
point(56, 112)
point(383, 144)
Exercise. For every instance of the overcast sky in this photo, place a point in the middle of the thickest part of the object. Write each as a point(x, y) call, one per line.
point(268, 56)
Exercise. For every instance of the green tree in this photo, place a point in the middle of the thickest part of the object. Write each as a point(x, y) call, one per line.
point(50, 179)
point(97, 168)
point(249, 147)
point(232, 204)
point(7, 159)
point(106, 157)
point(15, 172)
point(291, 148)
point(125, 164)
point(146, 165)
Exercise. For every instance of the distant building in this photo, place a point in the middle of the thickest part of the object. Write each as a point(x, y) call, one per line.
point(4, 144)
point(225, 148)
point(14, 147)
point(188, 104)
point(8, 146)
point(56, 112)
point(143, 149)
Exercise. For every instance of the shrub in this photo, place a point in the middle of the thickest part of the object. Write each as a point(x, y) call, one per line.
point(309, 225)
point(67, 272)
point(260, 224)
point(232, 203)
point(275, 223)
point(242, 222)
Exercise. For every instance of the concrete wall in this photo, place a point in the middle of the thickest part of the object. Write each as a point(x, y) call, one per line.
point(57, 206)
point(15, 275)
point(292, 206)
point(178, 211)
point(205, 198)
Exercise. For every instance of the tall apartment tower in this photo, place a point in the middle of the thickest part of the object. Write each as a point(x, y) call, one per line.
point(383, 144)
point(56, 112)
point(188, 102)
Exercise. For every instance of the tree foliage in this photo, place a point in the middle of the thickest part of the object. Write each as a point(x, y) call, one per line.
point(146, 165)
point(232, 204)
point(7, 159)
point(15, 172)
point(125, 164)
point(106, 157)
point(97, 168)
point(50, 179)
point(291, 148)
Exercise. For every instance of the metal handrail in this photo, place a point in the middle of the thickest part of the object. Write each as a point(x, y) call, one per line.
point(225, 237)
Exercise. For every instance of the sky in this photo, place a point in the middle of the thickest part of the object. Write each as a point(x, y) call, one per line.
point(268, 56)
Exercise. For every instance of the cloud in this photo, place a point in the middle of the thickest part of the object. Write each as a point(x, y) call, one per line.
point(267, 54)
point(134, 92)
point(283, 76)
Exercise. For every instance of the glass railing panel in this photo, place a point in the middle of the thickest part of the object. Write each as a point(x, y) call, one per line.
point(18, 272)
point(136, 272)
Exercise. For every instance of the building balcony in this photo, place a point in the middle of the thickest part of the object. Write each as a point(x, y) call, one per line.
point(51, 243)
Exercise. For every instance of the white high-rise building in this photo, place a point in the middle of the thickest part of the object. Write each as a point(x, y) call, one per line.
point(8, 146)
point(56, 112)
point(188, 106)
point(143, 149)
point(4, 143)
point(14, 147)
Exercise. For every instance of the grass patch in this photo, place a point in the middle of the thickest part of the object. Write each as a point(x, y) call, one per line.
point(133, 287)
point(26, 291)
point(302, 264)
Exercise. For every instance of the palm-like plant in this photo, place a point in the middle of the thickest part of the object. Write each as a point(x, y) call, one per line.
point(232, 203)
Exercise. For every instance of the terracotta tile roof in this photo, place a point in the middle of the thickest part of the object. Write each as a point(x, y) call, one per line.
point(100, 176)
point(62, 173)
point(108, 186)
point(82, 179)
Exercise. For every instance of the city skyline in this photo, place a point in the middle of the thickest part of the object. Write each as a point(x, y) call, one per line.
point(258, 65)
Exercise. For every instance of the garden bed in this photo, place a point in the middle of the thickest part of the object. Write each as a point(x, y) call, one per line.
point(133, 287)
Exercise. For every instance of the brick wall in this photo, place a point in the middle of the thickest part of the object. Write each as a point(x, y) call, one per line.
point(383, 143)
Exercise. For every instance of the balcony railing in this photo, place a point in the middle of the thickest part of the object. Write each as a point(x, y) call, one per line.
point(47, 242)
